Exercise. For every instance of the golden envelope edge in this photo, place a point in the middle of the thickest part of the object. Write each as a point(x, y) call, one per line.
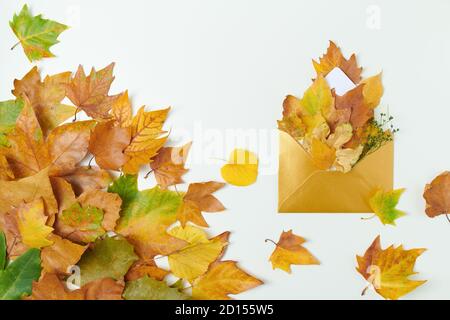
point(303, 188)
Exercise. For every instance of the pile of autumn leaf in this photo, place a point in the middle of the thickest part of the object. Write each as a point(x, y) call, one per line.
point(336, 131)
point(56, 213)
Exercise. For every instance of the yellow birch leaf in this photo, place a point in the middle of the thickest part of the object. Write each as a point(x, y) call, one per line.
point(242, 168)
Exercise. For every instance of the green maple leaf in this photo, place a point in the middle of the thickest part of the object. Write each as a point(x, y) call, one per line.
point(16, 279)
point(383, 205)
point(9, 112)
point(146, 288)
point(109, 258)
point(36, 34)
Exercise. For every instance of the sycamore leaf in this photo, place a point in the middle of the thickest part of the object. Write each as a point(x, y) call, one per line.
point(168, 165)
point(50, 287)
point(322, 154)
point(109, 258)
point(145, 217)
point(92, 215)
point(32, 224)
point(437, 195)
point(122, 111)
point(61, 255)
point(5, 170)
point(84, 179)
point(388, 270)
point(290, 251)
point(46, 97)
point(146, 138)
point(36, 34)
point(222, 279)
point(90, 93)
point(334, 59)
point(16, 280)
point(9, 112)
point(383, 205)
point(193, 260)
point(108, 142)
point(146, 268)
point(372, 91)
point(68, 145)
point(291, 122)
point(199, 198)
point(27, 152)
point(147, 288)
point(26, 190)
point(242, 168)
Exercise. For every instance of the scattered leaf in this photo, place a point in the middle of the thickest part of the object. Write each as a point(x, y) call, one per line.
point(36, 34)
point(289, 251)
point(388, 270)
point(437, 195)
point(384, 205)
point(242, 168)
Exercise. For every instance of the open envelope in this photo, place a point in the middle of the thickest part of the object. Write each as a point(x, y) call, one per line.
point(303, 188)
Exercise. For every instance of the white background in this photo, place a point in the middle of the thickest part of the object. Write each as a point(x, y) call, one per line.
point(227, 65)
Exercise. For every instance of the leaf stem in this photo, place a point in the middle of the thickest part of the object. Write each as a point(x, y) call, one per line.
point(368, 218)
point(448, 218)
point(363, 293)
point(75, 115)
point(12, 48)
point(90, 162)
point(148, 173)
point(270, 240)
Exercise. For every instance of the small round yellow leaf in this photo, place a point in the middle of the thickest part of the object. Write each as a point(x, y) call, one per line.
point(242, 168)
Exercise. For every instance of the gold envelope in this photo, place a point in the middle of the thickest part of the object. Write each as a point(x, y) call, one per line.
point(304, 188)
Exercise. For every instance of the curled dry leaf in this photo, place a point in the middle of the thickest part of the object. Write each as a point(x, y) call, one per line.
point(146, 268)
point(242, 168)
point(289, 251)
point(388, 270)
point(437, 195)
point(84, 179)
point(199, 198)
point(168, 165)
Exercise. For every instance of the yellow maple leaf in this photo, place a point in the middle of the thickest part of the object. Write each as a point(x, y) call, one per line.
point(221, 280)
point(193, 260)
point(31, 222)
point(146, 138)
point(242, 168)
point(289, 251)
point(388, 270)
